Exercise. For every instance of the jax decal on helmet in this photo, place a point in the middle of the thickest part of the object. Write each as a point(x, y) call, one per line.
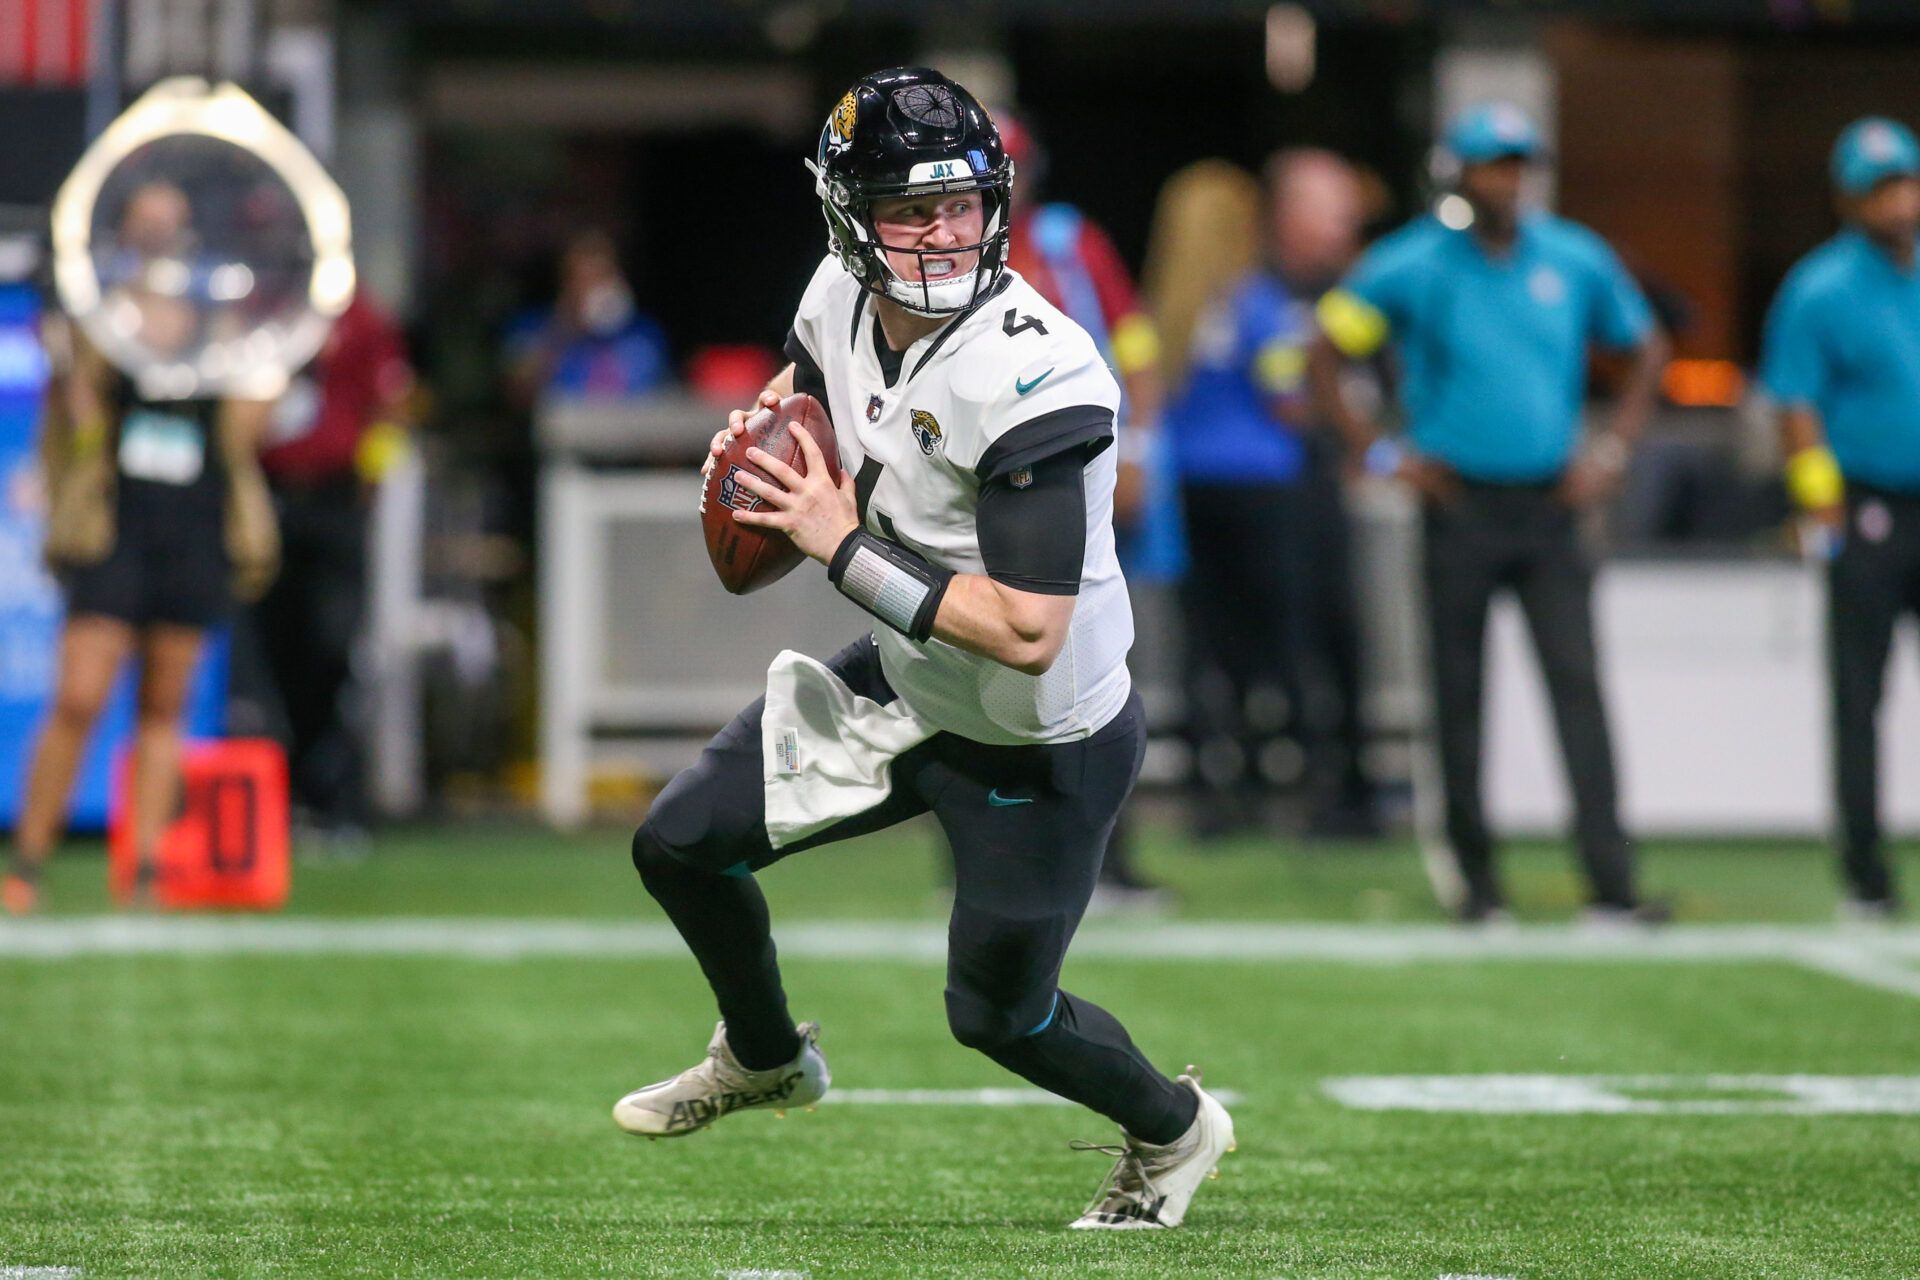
point(903, 132)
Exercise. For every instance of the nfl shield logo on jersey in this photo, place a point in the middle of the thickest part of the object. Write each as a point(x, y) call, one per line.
point(874, 405)
point(925, 430)
point(1022, 478)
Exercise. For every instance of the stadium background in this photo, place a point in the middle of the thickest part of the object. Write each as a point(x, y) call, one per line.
point(183, 1096)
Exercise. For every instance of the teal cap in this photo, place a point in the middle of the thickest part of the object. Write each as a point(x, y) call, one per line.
point(1870, 151)
point(1493, 131)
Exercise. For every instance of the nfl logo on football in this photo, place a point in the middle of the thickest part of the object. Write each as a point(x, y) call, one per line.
point(732, 494)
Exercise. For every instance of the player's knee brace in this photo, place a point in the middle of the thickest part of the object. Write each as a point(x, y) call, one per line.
point(651, 857)
point(677, 824)
point(992, 1025)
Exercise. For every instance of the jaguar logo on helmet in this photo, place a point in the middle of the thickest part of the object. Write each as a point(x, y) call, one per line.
point(840, 124)
point(926, 431)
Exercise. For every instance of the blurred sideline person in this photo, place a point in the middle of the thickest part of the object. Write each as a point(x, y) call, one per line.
point(974, 422)
point(1071, 261)
point(1321, 205)
point(1272, 644)
point(594, 341)
point(158, 521)
point(1843, 362)
point(1492, 318)
point(1206, 236)
point(334, 435)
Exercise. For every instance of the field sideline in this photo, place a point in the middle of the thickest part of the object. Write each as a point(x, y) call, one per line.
point(408, 1075)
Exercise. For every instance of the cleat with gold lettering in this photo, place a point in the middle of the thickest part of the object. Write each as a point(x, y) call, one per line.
point(719, 1086)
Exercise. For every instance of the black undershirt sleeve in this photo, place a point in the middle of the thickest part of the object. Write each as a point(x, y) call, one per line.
point(1084, 428)
point(1032, 524)
point(807, 378)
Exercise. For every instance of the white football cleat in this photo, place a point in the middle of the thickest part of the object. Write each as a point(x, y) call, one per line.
point(1150, 1187)
point(719, 1085)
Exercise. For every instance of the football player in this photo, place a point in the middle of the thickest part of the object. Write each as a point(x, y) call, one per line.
point(974, 522)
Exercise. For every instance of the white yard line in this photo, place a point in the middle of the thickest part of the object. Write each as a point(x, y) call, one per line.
point(1015, 1097)
point(927, 940)
point(1631, 1095)
point(1888, 972)
point(1879, 958)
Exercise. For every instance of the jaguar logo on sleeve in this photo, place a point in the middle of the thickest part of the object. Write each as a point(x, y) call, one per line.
point(925, 430)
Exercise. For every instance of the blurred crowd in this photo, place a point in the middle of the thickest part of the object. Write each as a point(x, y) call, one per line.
point(171, 518)
point(1272, 363)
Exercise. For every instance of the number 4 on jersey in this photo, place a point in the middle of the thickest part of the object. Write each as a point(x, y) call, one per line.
point(863, 484)
point(1008, 327)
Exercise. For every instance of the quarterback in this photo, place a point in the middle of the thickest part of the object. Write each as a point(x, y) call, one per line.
point(973, 521)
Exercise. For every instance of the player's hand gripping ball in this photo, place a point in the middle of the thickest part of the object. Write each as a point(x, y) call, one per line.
point(748, 558)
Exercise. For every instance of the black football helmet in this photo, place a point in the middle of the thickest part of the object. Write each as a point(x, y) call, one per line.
point(911, 131)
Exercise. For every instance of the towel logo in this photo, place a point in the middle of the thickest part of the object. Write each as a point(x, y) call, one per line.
point(786, 750)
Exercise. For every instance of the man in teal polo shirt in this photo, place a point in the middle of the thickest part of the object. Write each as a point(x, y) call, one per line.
point(1492, 309)
point(1843, 361)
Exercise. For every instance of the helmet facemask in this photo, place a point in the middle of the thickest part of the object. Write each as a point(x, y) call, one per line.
point(855, 240)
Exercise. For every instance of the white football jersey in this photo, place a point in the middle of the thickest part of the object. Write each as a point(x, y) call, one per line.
point(920, 448)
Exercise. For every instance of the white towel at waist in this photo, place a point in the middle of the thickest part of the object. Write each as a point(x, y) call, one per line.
point(826, 752)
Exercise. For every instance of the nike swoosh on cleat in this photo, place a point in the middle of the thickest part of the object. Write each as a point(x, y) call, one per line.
point(1021, 388)
point(999, 801)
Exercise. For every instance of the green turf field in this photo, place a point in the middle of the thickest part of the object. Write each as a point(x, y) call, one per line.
point(368, 1108)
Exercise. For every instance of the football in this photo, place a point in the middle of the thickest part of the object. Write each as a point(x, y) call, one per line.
point(745, 557)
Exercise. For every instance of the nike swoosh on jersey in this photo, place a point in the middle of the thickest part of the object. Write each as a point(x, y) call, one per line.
point(1021, 388)
point(999, 801)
